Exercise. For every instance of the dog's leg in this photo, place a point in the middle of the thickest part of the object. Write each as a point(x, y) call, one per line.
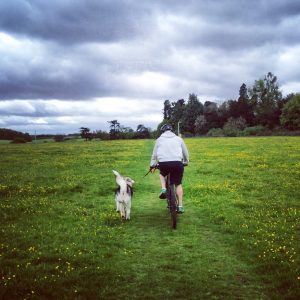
point(128, 207)
point(127, 213)
point(117, 204)
point(122, 210)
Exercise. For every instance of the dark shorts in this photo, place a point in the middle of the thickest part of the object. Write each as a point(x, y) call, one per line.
point(175, 168)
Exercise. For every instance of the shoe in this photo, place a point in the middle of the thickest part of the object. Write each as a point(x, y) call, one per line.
point(163, 194)
point(180, 210)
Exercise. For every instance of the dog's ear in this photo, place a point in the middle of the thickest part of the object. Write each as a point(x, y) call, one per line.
point(129, 181)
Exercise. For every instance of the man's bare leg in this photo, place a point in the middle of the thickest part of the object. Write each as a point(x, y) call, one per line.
point(162, 181)
point(179, 192)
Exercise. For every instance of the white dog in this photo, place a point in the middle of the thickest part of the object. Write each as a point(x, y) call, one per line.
point(123, 195)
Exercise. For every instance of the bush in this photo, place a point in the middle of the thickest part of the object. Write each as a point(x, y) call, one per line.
point(18, 140)
point(102, 135)
point(59, 138)
point(285, 132)
point(215, 132)
point(230, 131)
point(234, 127)
point(254, 130)
point(266, 132)
point(188, 134)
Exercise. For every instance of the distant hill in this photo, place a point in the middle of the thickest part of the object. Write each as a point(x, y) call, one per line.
point(9, 134)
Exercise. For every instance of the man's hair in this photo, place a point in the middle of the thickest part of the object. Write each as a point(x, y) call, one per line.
point(166, 127)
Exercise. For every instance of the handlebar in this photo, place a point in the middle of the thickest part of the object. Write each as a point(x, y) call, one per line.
point(153, 168)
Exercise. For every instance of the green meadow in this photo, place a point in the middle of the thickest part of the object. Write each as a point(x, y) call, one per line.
point(239, 238)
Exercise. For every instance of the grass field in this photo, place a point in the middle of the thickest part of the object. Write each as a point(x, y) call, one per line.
point(239, 237)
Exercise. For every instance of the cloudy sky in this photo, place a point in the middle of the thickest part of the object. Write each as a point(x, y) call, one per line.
point(70, 63)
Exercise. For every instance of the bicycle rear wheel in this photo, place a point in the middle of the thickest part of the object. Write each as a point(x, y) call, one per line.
point(172, 203)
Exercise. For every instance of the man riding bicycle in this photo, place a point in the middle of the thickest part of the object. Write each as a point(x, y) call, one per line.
point(171, 153)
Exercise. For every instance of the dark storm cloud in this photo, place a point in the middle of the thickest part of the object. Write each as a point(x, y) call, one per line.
point(69, 22)
point(234, 25)
point(44, 83)
point(239, 38)
point(234, 11)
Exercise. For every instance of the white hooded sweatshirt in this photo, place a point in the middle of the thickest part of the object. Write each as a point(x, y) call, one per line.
point(169, 147)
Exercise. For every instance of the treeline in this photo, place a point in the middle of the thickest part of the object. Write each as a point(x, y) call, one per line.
point(20, 137)
point(16, 136)
point(118, 132)
point(260, 109)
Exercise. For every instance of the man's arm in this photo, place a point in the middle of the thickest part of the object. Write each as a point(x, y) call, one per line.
point(185, 153)
point(153, 161)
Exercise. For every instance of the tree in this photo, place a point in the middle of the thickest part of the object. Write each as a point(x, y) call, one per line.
point(167, 110)
point(243, 93)
point(193, 109)
point(244, 107)
point(177, 112)
point(201, 126)
point(142, 132)
point(85, 133)
point(233, 111)
point(210, 112)
point(281, 103)
point(265, 96)
point(114, 131)
point(223, 112)
point(290, 117)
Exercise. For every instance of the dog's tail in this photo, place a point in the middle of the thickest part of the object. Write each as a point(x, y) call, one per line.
point(123, 185)
point(119, 178)
point(116, 173)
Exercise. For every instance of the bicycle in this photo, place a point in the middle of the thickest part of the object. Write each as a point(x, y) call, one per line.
point(171, 197)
